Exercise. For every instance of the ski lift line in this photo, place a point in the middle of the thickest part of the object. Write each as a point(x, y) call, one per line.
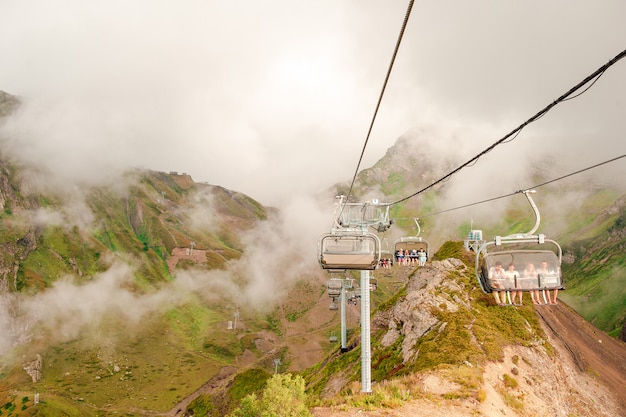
point(588, 87)
point(579, 171)
point(380, 97)
point(471, 204)
point(594, 76)
point(511, 139)
point(530, 188)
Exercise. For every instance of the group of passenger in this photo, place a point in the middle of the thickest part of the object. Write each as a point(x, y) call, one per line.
point(411, 257)
point(509, 280)
point(385, 263)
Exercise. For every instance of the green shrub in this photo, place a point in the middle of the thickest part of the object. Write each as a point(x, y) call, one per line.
point(283, 396)
point(509, 381)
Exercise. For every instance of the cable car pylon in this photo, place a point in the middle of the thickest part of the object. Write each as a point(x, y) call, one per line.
point(349, 246)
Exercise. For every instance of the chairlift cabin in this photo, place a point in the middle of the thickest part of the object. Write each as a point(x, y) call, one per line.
point(361, 215)
point(334, 286)
point(349, 251)
point(352, 297)
point(386, 257)
point(533, 261)
point(537, 270)
point(409, 246)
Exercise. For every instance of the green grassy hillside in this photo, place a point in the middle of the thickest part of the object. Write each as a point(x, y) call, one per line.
point(596, 276)
point(115, 365)
point(463, 339)
point(586, 219)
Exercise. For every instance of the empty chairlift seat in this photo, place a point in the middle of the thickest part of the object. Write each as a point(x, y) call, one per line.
point(334, 286)
point(354, 252)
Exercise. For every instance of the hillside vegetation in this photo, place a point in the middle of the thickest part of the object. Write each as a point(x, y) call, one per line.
point(120, 300)
point(141, 349)
point(442, 347)
point(584, 214)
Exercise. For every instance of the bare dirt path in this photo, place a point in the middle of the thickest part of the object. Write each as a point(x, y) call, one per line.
point(595, 353)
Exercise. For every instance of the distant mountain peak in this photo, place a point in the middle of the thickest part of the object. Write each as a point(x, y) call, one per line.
point(8, 103)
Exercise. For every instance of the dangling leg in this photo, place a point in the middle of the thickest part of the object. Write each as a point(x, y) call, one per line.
point(534, 296)
point(496, 297)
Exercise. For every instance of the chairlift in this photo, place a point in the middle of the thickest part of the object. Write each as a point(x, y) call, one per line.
point(473, 240)
point(386, 257)
point(334, 286)
point(333, 305)
point(358, 215)
point(349, 251)
point(411, 245)
point(520, 250)
point(332, 338)
point(352, 297)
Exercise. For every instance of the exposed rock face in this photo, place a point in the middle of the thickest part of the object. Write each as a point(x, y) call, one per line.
point(34, 368)
point(9, 265)
point(412, 317)
point(8, 103)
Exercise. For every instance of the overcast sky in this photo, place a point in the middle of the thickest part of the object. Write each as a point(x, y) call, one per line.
point(274, 98)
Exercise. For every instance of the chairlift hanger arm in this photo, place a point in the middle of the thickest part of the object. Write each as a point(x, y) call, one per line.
point(417, 223)
point(535, 209)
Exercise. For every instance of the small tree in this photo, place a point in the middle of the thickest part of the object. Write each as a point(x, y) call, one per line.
point(283, 396)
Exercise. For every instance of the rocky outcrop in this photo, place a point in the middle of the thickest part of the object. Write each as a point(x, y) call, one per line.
point(14, 252)
point(8, 103)
point(34, 368)
point(413, 316)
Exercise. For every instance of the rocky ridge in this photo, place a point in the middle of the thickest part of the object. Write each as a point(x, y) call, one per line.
point(543, 378)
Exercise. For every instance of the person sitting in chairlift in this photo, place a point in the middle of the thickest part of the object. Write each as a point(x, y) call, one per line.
point(497, 277)
point(422, 257)
point(530, 273)
point(544, 272)
point(512, 282)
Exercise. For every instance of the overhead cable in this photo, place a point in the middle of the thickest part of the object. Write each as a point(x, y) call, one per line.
point(380, 97)
point(594, 76)
point(529, 188)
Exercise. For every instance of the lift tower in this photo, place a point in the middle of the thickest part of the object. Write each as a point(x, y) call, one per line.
point(350, 246)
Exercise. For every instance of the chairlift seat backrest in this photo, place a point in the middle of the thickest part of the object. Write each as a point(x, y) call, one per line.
point(334, 287)
point(411, 243)
point(370, 214)
point(353, 252)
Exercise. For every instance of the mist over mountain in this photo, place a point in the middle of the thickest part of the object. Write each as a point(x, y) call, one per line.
point(126, 288)
point(580, 206)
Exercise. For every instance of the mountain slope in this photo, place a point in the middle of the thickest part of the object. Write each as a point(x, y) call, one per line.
point(596, 270)
point(456, 353)
point(120, 300)
point(95, 312)
point(584, 213)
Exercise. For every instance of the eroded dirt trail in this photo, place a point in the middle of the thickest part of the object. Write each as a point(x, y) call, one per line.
point(594, 353)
